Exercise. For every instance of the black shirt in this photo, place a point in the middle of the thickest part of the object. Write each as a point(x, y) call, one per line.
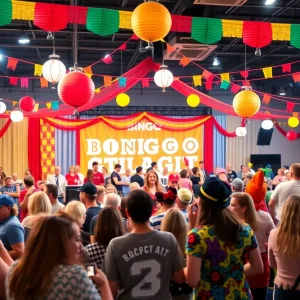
point(90, 213)
point(195, 179)
point(137, 178)
point(231, 176)
point(115, 174)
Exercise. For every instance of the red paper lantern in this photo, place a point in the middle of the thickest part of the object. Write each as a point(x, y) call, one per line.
point(27, 104)
point(291, 135)
point(51, 17)
point(257, 34)
point(76, 89)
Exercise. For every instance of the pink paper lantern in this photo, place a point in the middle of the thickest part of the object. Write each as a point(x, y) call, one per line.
point(27, 104)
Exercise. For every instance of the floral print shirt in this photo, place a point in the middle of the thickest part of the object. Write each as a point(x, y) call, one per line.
point(222, 271)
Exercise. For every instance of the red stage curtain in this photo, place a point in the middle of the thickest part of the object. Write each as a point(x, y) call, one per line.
point(208, 142)
point(5, 127)
point(34, 148)
point(222, 130)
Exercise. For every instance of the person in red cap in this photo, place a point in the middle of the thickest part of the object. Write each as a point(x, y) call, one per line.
point(173, 181)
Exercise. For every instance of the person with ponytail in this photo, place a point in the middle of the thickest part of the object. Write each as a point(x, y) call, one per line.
point(220, 250)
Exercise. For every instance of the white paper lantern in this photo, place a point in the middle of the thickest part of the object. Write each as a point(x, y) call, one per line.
point(53, 69)
point(2, 107)
point(16, 116)
point(267, 124)
point(241, 131)
point(163, 78)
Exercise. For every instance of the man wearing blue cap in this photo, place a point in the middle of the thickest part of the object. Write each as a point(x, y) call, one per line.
point(11, 230)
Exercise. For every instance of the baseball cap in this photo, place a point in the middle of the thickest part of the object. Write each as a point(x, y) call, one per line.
point(184, 195)
point(174, 177)
point(238, 184)
point(88, 188)
point(6, 200)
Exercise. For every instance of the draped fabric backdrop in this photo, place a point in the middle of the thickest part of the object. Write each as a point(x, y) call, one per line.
point(220, 144)
point(238, 149)
point(14, 148)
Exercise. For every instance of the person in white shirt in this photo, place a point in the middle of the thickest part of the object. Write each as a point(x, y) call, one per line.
point(283, 191)
point(164, 178)
point(80, 175)
point(52, 191)
point(60, 181)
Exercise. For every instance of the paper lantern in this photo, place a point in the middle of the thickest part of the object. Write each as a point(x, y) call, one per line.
point(2, 107)
point(293, 122)
point(53, 69)
point(27, 104)
point(16, 116)
point(123, 100)
point(75, 88)
point(241, 131)
point(151, 21)
point(246, 103)
point(193, 100)
point(163, 78)
point(291, 135)
point(267, 124)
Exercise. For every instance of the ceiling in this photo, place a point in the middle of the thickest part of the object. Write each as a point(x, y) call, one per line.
point(92, 47)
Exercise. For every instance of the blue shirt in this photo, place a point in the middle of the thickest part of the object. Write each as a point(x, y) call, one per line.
point(11, 232)
point(10, 189)
point(125, 188)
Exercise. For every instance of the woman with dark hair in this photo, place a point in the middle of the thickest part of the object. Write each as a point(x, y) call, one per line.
point(184, 181)
point(219, 246)
point(109, 225)
point(50, 267)
point(89, 176)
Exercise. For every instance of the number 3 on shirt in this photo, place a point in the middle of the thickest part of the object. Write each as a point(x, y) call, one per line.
point(151, 279)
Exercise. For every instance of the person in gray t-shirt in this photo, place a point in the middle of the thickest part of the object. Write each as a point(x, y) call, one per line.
point(139, 265)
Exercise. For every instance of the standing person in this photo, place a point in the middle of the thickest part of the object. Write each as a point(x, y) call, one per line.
point(89, 176)
point(184, 199)
point(16, 179)
point(98, 178)
point(240, 174)
point(11, 230)
point(283, 191)
point(72, 178)
point(41, 185)
point(111, 189)
point(242, 205)
point(100, 195)
point(2, 176)
point(173, 181)
point(164, 178)
point(138, 177)
point(80, 175)
point(202, 171)
point(106, 176)
point(143, 261)
point(60, 181)
point(61, 275)
point(52, 191)
point(126, 178)
point(280, 177)
point(10, 189)
point(218, 247)
point(284, 251)
point(184, 181)
point(237, 185)
point(231, 175)
point(116, 179)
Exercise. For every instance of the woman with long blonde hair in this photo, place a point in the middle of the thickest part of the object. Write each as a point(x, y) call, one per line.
point(284, 251)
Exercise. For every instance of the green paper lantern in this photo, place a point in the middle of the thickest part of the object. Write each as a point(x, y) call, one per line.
point(5, 12)
point(295, 35)
point(102, 21)
point(225, 85)
point(206, 31)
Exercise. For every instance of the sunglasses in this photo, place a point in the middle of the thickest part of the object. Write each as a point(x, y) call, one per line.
point(174, 182)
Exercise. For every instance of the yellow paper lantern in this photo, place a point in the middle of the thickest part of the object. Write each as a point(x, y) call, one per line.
point(246, 103)
point(123, 100)
point(151, 21)
point(193, 100)
point(293, 122)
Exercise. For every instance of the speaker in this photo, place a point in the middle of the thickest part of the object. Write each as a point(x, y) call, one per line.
point(72, 193)
point(264, 137)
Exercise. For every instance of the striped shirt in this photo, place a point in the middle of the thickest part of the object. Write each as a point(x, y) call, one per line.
point(155, 221)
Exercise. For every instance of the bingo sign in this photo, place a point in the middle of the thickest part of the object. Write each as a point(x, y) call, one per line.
point(139, 146)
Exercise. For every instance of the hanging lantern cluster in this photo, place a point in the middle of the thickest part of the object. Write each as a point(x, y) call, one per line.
point(246, 103)
point(151, 21)
point(53, 69)
point(193, 100)
point(163, 78)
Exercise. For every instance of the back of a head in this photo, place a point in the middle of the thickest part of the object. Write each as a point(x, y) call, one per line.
point(109, 225)
point(138, 169)
point(39, 203)
point(183, 173)
point(295, 169)
point(195, 170)
point(112, 199)
point(76, 210)
point(139, 206)
point(29, 181)
point(134, 186)
point(52, 189)
point(49, 239)
point(237, 184)
point(153, 164)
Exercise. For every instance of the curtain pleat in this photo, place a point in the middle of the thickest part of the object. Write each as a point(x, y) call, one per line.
point(14, 148)
point(239, 149)
point(220, 144)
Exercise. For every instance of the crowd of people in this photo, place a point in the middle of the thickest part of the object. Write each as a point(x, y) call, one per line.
point(151, 235)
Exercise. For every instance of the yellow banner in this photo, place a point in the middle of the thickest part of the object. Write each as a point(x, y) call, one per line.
point(139, 146)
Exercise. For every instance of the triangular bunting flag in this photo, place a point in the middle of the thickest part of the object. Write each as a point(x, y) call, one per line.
point(145, 82)
point(170, 48)
point(97, 91)
point(122, 81)
point(36, 107)
point(88, 71)
point(123, 46)
point(24, 82)
point(107, 80)
point(13, 80)
point(295, 114)
point(235, 88)
point(43, 82)
point(268, 72)
point(197, 80)
point(134, 37)
point(290, 106)
point(176, 78)
point(48, 104)
point(286, 68)
point(38, 70)
point(266, 99)
point(206, 74)
point(246, 83)
point(184, 61)
point(296, 76)
point(225, 76)
point(14, 103)
point(107, 59)
point(225, 85)
point(245, 74)
point(55, 105)
point(12, 63)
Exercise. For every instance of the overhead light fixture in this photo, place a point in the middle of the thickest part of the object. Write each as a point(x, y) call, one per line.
point(257, 52)
point(23, 38)
point(282, 92)
point(216, 62)
point(268, 2)
point(50, 36)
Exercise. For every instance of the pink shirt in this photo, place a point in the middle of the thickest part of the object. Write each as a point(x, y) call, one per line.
point(287, 269)
point(185, 183)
